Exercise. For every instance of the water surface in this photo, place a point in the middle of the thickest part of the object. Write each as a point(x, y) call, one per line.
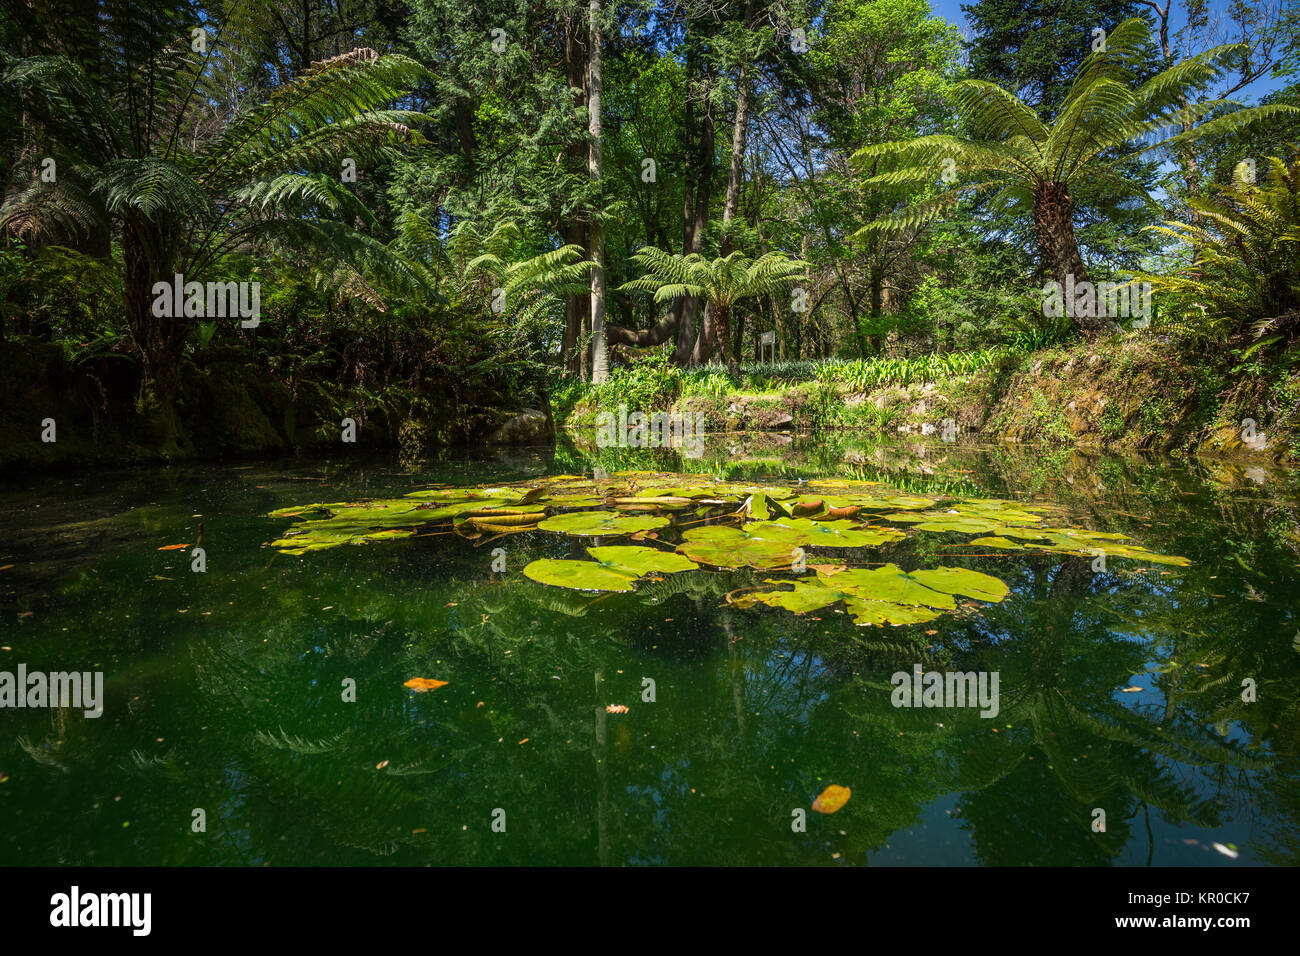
point(224, 690)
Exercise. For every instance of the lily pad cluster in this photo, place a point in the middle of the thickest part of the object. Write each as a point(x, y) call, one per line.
point(677, 523)
point(885, 595)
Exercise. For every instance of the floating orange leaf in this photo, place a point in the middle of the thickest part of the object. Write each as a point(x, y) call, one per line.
point(381, 765)
point(173, 547)
point(831, 799)
point(424, 683)
point(616, 709)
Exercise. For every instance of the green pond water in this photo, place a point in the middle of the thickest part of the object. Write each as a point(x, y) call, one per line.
point(1159, 685)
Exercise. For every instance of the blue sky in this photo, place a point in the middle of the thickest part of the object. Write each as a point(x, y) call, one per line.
point(951, 11)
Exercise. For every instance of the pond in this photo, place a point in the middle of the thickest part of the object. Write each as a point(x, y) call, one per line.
point(322, 692)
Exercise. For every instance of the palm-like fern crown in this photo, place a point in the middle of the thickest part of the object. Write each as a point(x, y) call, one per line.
point(143, 137)
point(474, 263)
point(722, 281)
point(1248, 245)
point(1105, 108)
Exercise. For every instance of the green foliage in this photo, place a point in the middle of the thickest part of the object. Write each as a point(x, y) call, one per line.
point(1247, 273)
point(1015, 152)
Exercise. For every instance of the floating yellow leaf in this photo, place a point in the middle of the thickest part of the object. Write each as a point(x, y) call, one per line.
point(832, 798)
point(424, 683)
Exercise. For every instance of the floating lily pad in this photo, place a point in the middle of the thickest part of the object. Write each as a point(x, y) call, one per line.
point(579, 575)
point(833, 534)
point(601, 523)
point(889, 584)
point(758, 544)
point(884, 595)
point(983, 587)
point(641, 560)
point(807, 595)
point(867, 612)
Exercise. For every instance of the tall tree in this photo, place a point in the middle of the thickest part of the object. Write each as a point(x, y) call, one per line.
point(1033, 47)
point(596, 228)
point(1029, 160)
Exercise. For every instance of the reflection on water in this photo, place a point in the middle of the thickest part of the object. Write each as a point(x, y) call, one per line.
point(225, 691)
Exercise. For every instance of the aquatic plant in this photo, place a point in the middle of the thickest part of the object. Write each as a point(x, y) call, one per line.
point(696, 522)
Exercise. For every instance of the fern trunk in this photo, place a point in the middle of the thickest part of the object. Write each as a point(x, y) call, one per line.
point(158, 340)
point(1054, 227)
point(722, 336)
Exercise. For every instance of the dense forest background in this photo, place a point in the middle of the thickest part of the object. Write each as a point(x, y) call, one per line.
point(453, 211)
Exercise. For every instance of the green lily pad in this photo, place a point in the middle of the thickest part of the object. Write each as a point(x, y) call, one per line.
point(579, 575)
point(835, 534)
point(804, 597)
point(983, 587)
point(889, 584)
point(641, 560)
point(867, 612)
point(759, 544)
point(601, 523)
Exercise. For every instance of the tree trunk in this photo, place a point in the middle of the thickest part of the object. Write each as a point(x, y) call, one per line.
point(704, 343)
point(737, 168)
point(599, 354)
point(575, 231)
point(1054, 226)
point(159, 341)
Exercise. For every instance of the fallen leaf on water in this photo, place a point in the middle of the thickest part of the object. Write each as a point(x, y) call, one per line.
point(3, 777)
point(421, 830)
point(1229, 851)
point(616, 709)
point(6, 567)
point(1130, 690)
point(26, 613)
point(424, 683)
point(381, 765)
point(525, 740)
point(173, 547)
point(831, 799)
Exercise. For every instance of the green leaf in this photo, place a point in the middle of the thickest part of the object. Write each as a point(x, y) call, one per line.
point(579, 575)
point(638, 560)
point(767, 546)
point(833, 534)
point(601, 523)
